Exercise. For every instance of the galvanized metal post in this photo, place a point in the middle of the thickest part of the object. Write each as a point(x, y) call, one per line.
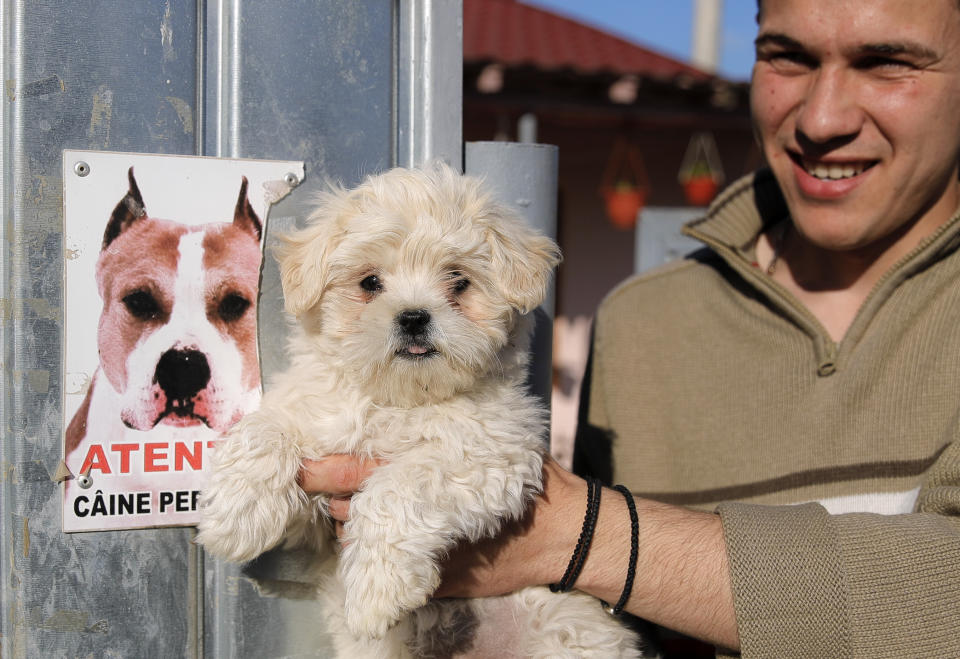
point(430, 82)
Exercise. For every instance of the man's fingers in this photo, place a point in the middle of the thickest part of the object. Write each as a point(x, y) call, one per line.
point(339, 508)
point(336, 474)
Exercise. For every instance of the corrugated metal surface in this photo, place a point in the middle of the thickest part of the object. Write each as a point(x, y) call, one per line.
point(311, 80)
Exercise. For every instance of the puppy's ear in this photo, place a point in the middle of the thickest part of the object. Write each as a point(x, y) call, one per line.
point(303, 258)
point(129, 210)
point(522, 260)
point(244, 217)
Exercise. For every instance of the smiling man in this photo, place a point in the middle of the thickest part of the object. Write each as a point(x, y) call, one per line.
point(785, 403)
point(855, 104)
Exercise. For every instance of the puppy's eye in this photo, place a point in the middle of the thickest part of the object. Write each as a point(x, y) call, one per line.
point(371, 284)
point(232, 307)
point(459, 283)
point(142, 305)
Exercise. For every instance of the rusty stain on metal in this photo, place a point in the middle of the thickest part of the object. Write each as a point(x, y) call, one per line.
point(100, 116)
point(66, 620)
point(184, 113)
point(50, 85)
point(38, 379)
point(41, 307)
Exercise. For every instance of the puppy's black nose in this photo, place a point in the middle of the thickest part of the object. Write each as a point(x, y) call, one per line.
point(182, 374)
point(413, 321)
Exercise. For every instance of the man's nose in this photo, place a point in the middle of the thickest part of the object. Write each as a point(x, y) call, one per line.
point(831, 109)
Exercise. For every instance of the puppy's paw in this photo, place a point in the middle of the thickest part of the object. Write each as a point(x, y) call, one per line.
point(252, 494)
point(239, 527)
point(367, 623)
point(381, 589)
point(372, 616)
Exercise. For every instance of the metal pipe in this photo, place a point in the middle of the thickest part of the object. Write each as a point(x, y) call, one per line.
point(525, 177)
point(430, 82)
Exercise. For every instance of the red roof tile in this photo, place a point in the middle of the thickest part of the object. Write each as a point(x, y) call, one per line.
point(513, 33)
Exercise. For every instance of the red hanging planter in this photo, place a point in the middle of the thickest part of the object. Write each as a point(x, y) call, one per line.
point(624, 188)
point(700, 190)
point(701, 171)
point(623, 203)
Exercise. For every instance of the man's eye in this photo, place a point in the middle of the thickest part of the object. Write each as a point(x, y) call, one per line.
point(371, 284)
point(879, 62)
point(785, 60)
point(142, 305)
point(790, 58)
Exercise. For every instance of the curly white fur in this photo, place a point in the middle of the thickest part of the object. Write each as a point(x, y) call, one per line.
point(411, 293)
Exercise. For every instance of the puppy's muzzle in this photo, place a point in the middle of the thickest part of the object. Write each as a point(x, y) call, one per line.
point(414, 325)
point(182, 374)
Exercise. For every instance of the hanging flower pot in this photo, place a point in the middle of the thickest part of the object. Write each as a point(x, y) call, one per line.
point(701, 172)
point(624, 187)
point(700, 190)
point(623, 203)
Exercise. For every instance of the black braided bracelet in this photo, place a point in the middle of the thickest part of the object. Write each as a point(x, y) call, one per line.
point(634, 549)
point(583, 542)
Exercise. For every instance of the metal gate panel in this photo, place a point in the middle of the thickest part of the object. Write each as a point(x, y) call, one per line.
point(89, 76)
point(311, 80)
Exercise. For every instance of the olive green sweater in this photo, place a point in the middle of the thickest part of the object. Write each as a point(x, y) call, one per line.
point(711, 386)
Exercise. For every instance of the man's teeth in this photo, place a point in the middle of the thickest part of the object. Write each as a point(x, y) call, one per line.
point(834, 172)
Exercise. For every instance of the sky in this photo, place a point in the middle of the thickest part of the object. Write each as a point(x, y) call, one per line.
point(666, 26)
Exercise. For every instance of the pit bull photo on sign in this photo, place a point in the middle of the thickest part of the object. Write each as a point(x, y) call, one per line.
point(176, 340)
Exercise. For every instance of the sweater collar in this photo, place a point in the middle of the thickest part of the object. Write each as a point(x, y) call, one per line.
point(736, 218)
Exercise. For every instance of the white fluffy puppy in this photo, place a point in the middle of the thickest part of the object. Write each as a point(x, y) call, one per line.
point(412, 293)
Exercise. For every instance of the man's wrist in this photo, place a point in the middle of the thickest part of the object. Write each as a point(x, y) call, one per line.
point(564, 500)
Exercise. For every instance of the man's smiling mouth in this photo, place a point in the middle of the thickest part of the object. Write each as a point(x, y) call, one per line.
point(832, 171)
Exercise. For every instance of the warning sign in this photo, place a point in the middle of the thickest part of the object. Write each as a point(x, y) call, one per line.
point(163, 259)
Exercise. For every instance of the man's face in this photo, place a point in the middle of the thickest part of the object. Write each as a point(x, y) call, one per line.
point(857, 105)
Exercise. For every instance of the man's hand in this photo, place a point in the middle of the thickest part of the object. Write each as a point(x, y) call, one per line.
point(682, 579)
point(338, 476)
point(521, 554)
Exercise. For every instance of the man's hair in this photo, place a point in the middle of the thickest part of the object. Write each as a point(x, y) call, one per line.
point(760, 8)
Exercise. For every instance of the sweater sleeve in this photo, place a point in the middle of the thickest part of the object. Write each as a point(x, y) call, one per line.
point(810, 584)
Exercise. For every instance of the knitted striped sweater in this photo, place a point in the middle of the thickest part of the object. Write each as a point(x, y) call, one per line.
point(711, 386)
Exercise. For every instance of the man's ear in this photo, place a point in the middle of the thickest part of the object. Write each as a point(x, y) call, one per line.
point(522, 258)
point(303, 256)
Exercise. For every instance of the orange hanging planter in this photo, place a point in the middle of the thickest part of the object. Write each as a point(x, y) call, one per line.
point(623, 204)
point(701, 171)
point(624, 188)
point(700, 190)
